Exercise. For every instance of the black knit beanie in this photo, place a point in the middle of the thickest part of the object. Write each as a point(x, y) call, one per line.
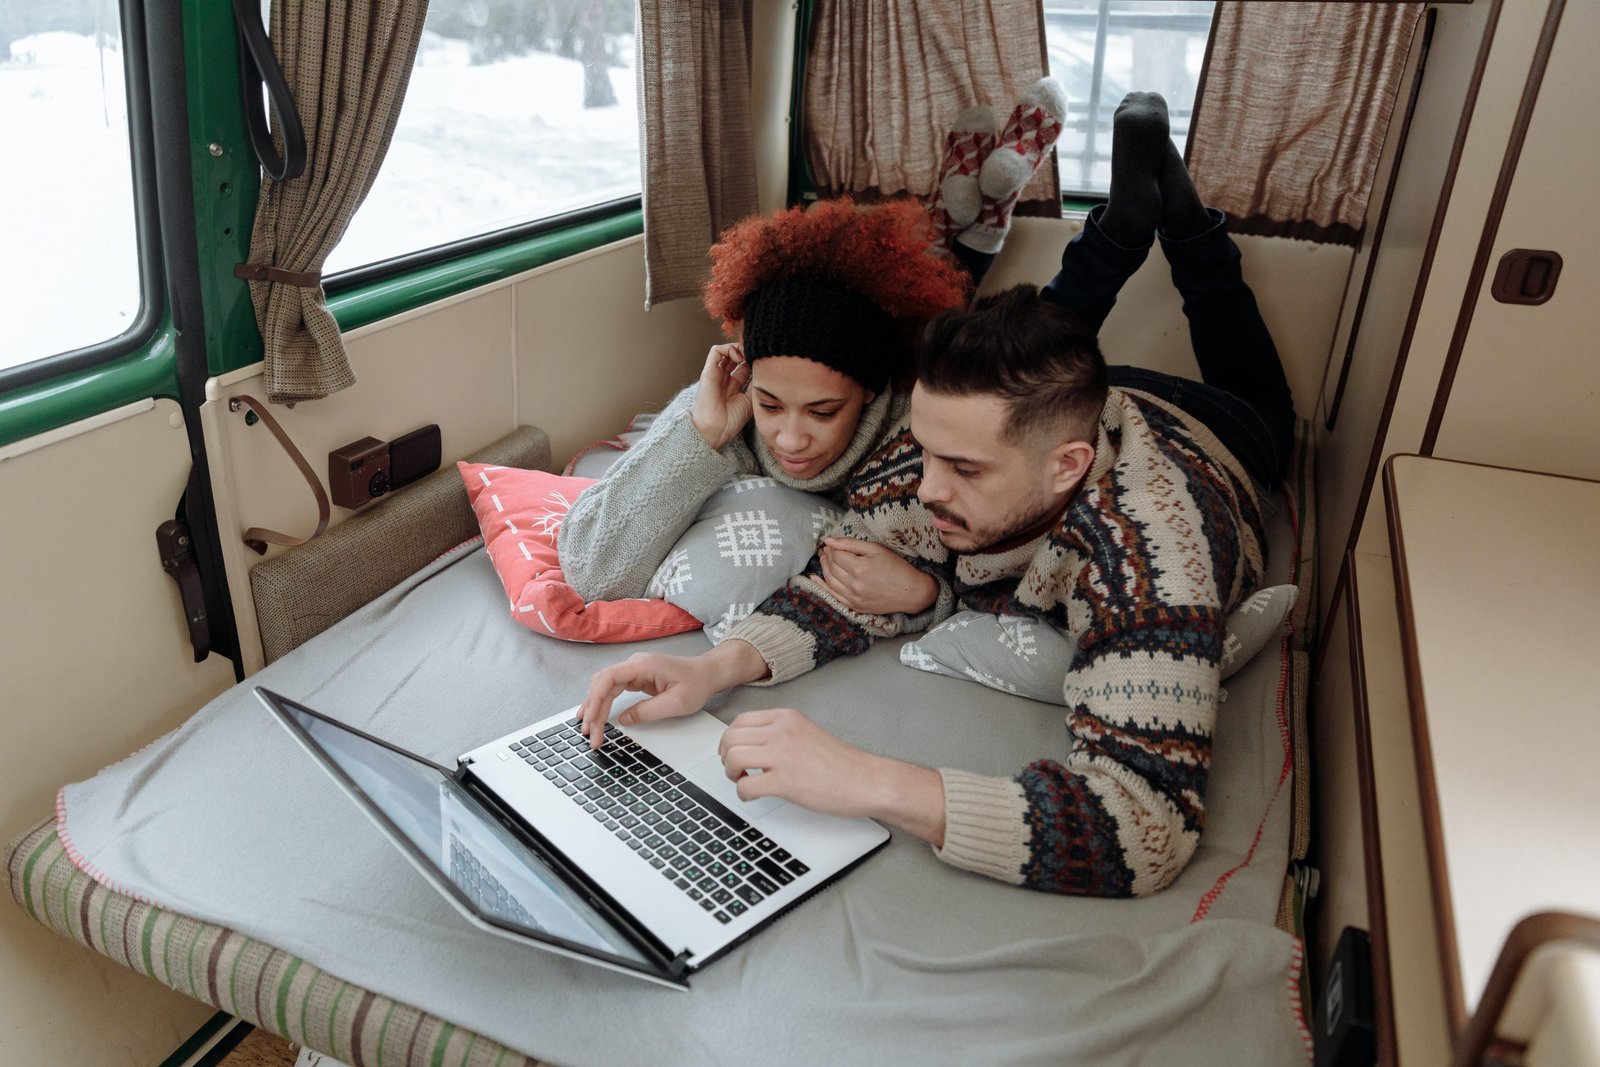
point(823, 321)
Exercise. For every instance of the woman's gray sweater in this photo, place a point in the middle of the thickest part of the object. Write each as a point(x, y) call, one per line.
point(621, 528)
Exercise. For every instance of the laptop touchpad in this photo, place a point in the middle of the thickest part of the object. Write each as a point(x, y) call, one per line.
point(709, 775)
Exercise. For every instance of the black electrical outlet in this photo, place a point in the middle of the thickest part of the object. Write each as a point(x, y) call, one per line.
point(413, 455)
point(359, 472)
point(1347, 1035)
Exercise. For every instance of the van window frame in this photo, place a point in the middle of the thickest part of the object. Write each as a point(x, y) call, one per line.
point(143, 362)
point(147, 244)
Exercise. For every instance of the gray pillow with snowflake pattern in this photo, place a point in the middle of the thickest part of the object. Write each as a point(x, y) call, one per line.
point(749, 538)
point(1028, 657)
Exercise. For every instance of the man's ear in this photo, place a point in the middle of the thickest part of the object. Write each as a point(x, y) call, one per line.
point(1069, 462)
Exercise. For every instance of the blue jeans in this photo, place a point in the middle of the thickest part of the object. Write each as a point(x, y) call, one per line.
point(1243, 396)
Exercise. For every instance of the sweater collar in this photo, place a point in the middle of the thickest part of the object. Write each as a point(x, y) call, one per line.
point(835, 474)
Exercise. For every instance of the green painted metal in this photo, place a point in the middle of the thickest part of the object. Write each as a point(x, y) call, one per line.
point(379, 300)
point(226, 185)
point(225, 196)
point(149, 372)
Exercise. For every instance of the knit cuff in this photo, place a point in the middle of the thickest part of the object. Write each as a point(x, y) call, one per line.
point(985, 825)
point(789, 650)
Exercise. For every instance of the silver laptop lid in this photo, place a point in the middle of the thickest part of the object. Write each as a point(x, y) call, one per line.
point(494, 876)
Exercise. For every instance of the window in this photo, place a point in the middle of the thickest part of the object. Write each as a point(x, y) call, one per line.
point(517, 110)
point(1101, 50)
point(69, 276)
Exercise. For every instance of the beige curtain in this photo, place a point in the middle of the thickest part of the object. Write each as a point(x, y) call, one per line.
point(696, 140)
point(1292, 111)
point(884, 80)
point(347, 63)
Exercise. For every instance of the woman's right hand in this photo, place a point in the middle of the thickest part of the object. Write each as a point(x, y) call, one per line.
point(721, 404)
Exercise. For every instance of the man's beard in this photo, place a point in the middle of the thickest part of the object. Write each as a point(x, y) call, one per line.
point(1032, 517)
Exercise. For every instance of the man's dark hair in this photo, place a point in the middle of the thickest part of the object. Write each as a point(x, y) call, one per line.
point(1029, 351)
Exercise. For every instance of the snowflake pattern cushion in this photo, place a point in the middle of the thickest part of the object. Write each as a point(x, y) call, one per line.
point(749, 538)
point(1028, 657)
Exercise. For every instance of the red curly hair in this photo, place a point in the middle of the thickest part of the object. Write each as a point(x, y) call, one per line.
point(884, 251)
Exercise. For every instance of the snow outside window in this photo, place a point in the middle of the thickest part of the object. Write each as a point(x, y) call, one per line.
point(517, 110)
point(69, 273)
point(1103, 49)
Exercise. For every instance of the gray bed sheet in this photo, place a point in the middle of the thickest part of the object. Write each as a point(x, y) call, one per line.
point(227, 820)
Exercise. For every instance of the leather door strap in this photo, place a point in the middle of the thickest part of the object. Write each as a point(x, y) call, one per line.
point(257, 537)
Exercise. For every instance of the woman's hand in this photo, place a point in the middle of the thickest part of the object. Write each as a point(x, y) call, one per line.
point(721, 405)
point(871, 580)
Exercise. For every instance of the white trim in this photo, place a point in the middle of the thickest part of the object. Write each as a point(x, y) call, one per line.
point(215, 387)
point(82, 426)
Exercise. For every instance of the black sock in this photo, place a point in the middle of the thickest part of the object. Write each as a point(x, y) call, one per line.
point(1139, 142)
point(1183, 213)
point(977, 263)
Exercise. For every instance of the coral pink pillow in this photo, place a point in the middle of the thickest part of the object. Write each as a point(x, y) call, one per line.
point(520, 513)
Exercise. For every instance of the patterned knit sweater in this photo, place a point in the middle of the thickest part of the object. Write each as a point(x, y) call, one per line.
point(1161, 540)
point(621, 528)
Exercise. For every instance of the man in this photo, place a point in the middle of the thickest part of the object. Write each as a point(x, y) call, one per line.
point(1026, 482)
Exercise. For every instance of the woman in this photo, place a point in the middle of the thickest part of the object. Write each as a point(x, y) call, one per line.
point(826, 300)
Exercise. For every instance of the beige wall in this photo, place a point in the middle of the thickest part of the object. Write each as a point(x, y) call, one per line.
point(567, 347)
point(1527, 392)
point(1524, 395)
point(95, 662)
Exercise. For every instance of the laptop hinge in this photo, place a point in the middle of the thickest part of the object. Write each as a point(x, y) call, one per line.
point(598, 898)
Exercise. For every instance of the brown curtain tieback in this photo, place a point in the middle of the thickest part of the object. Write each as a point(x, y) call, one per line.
point(258, 538)
point(258, 272)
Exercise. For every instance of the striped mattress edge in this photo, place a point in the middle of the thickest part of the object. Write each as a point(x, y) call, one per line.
point(254, 981)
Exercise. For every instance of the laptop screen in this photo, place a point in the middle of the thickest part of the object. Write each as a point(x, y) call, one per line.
point(482, 861)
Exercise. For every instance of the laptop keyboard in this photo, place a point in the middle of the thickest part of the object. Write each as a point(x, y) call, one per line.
point(709, 853)
point(483, 888)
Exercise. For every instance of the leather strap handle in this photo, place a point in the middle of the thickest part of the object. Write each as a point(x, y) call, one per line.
point(260, 272)
point(257, 537)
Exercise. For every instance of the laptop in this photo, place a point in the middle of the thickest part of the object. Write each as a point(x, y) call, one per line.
point(639, 857)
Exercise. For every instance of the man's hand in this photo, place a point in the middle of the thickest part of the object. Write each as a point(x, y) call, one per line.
point(871, 580)
point(678, 685)
point(801, 762)
point(721, 405)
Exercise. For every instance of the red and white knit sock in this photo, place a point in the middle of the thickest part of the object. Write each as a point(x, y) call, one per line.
point(1032, 129)
point(956, 200)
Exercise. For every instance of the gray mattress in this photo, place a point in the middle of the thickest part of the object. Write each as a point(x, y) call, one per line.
point(227, 821)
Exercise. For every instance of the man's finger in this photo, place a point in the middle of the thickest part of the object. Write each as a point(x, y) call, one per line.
point(663, 706)
point(848, 544)
point(604, 688)
point(752, 786)
point(743, 733)
point(758, 717)
point(742, 758)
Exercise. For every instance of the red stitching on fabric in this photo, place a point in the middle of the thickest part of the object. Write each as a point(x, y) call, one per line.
point(1297, 961)
point(611, 442)
point(474, 540)
point(1280, 711)
point(77, 859)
